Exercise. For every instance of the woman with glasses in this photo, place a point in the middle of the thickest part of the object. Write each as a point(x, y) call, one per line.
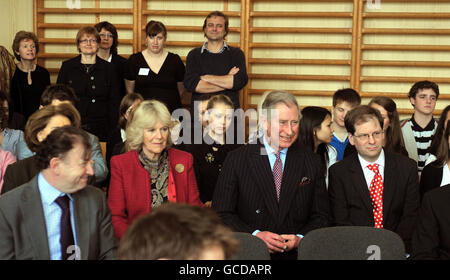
point(156, 73)
point(108, 50)
point(95, 83)
point(393, 137)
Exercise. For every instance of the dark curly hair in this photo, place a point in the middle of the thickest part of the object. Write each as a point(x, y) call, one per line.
point(59, 142)
point(111, 28)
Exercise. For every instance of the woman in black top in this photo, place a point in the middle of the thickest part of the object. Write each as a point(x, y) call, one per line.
point(156, 73)
point(108, 50)
point(29, 80)
point(95, 83)
point(437, 173)
point(210, 155)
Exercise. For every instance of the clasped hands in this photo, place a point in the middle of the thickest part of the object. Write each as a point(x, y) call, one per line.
point(279, 243)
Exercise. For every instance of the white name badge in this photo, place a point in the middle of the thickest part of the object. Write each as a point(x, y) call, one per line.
point(143, 71)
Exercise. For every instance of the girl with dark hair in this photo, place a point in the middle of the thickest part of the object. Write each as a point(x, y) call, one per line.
point(442, 125)
point(116, 140)
point(6, 157)
point(109, 41)
point(11, 140)
point(210, 155)
point(393, 138)
point(315, 132)
point(154, 72)
point(437, 173)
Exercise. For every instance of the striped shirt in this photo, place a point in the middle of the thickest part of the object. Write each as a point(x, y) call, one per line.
point(423, 137)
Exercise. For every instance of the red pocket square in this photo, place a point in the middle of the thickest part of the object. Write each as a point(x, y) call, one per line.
point(305, 181)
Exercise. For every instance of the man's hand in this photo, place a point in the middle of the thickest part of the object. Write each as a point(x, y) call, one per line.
point(291, 241)
point(274, 241)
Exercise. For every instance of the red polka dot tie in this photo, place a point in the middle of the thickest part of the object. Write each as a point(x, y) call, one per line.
point(376, 193)
point(278, 174)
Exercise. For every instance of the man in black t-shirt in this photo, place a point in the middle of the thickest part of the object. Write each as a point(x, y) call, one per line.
point(215, 68)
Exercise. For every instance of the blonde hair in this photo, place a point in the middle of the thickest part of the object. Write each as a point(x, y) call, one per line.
point(147, 114)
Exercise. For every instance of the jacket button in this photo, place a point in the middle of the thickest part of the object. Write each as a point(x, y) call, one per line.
point(93, 87)
point(258, 211)
point(92, 78)
point(93, 100)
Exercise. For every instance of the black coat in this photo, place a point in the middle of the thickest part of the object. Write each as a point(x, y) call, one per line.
point(98, 91)
point(431, 178)
point(351, 204)
point(431, 239)
point(245, 195)
point(119, 64)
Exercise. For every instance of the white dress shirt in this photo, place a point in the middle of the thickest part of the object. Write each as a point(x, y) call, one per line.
point(369, 174)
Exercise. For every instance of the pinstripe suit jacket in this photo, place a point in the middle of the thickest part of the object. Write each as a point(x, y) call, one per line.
point(245, 196)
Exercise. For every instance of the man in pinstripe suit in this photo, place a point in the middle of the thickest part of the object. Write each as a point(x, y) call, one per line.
point(249, 197)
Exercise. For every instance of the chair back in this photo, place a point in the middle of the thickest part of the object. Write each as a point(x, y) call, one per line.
point(251, 247)
point(351, 243)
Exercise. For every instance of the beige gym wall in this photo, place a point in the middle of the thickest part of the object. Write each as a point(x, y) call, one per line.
point(18, 14)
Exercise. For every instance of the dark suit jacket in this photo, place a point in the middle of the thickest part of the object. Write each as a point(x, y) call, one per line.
point(431, 178)
point(351, 204)
point(431, 239)
point(19, 173)
point(23, 231)
point(245, 195)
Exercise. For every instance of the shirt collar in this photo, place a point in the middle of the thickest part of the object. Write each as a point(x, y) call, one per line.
point(204, 47)
point(380, 161)
point(270, 150)
point(48, 193)
point(417, 127)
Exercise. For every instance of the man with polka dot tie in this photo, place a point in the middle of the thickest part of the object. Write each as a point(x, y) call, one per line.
point(373, 187)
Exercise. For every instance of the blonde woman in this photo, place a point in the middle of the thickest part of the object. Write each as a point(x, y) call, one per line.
point(151, 172)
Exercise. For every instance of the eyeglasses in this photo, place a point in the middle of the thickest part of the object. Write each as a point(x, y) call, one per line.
point(104, 35)
point(91, 41)
point(365, 137)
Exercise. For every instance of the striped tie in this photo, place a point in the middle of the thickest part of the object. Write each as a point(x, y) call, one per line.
point(278, 174)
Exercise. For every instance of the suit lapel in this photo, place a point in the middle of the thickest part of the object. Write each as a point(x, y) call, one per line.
point(81, 208)
point(34, 220)
point(359, 182)
point(262, 172)
point(388, 183)
point(292, 173)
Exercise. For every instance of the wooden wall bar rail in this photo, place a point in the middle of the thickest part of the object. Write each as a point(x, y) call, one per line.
point(350, 57)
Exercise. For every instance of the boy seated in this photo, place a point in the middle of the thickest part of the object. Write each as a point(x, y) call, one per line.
point(344, 100)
